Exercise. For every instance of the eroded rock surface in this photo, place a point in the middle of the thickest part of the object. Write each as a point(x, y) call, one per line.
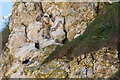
point(37, 29)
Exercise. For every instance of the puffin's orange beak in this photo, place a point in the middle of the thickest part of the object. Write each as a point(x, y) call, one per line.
point(47, 24)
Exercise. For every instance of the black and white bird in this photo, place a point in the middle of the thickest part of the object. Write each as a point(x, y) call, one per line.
point(78, 34)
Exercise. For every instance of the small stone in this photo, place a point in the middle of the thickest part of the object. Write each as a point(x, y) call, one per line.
point(38, 18)
point(82, 56)
point(59, 34)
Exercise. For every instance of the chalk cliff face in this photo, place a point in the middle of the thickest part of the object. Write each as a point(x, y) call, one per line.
point(38, 28)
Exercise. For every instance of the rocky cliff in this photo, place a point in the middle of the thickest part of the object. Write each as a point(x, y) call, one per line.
point(38, 28)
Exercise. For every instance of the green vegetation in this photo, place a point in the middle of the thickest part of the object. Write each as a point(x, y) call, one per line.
point(4, 35)
point(115, 76)
point(102, 32)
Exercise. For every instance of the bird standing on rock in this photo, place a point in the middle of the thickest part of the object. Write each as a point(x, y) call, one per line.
point(78, 34)
point(46, 25)
point(46, 18)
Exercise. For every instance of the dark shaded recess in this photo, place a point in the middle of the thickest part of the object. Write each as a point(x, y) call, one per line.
point(102, 32)
point(97, 8)
point(26, 61)
point(65, 40)
point(37, 45)
point(50, 15)
point(119, 33)
point(40, 5)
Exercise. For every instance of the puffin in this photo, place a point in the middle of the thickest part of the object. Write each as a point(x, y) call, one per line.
point(78, 34)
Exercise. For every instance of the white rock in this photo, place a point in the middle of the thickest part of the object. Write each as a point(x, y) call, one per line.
point(43, 42)
point(46, 42)
point(21, 7)
point(59, 21)
point(15, 66)
point(32, 31)
point(30, 6)
point(16, 39)
point(54, 10)
point(59, 34)
point(18, 74)
point(19, 29)
point(24, 50)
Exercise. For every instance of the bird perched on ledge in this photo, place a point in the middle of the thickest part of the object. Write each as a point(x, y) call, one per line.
point(78, 34)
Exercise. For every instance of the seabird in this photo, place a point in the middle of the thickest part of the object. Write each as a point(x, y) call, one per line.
point(46, 18)
point(78, 34)
point(46, 15)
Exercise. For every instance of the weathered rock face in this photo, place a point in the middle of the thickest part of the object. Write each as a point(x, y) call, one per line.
point(16, 38)
point(100, 64)
point(37, 29)
point(77, 15)
point(59, 34)
point(24, 13)
point(95, 65)
point(32, 31)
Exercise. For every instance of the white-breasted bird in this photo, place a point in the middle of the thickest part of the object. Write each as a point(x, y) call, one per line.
point(78, 34)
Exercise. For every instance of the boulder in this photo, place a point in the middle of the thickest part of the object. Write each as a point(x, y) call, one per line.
point(59, 22)
point(24, 50)
point(59, 34)
point(16, 39)
point(46, 42)
point(21, 7)
point(33, 30)
point(24, 13)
